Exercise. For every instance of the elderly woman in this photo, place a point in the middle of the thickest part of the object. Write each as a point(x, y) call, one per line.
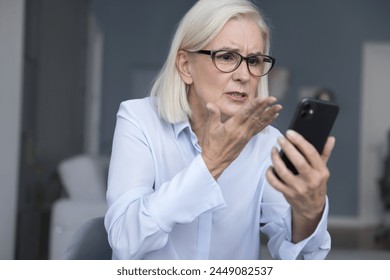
point(190, 174)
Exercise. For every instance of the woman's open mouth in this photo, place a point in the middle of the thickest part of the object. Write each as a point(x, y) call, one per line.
point(238, 96)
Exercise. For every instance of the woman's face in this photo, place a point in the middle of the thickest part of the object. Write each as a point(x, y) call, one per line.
point(229, 91)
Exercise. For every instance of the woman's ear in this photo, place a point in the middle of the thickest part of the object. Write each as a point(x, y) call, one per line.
point(183, 66)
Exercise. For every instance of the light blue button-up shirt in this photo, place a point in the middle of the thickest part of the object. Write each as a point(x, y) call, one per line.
point(164, 203)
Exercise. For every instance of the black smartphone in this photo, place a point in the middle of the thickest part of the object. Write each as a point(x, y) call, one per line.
point(313, 119)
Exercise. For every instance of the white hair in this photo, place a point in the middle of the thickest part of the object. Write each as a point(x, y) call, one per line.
point(199, 27)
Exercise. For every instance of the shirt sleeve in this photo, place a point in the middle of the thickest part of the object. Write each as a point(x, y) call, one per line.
point(140, 216)
point(275, 222)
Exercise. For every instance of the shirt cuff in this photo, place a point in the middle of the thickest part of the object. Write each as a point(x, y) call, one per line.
point(190, 193)
point(316, 246)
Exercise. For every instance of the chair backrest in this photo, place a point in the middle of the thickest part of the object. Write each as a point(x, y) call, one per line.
point(84, 177)
point(90, 242)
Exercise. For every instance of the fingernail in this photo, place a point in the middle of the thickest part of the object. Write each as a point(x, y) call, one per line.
point(272, 99)
point(291, 133)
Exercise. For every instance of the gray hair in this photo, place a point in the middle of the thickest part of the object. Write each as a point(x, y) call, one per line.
point(199, 27)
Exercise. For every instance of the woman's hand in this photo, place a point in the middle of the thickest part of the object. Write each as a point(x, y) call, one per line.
point(306, 192)
point(223, 142)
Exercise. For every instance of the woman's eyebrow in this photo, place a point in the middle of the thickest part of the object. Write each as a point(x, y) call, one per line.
point(238, 51)
point(229, 49)
point(254, 54)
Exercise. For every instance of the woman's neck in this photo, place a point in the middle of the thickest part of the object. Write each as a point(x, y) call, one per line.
point(198, 122)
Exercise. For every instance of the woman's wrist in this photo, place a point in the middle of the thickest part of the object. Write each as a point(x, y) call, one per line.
point(214, 168)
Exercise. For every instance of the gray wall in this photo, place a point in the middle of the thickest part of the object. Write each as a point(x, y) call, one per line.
point(320, 42)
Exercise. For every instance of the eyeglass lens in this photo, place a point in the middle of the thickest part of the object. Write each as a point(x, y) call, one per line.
point(227, 61)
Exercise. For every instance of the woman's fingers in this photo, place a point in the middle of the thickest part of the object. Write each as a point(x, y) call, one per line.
point(300, 152)
point(279, 172)
point(328, 148)
point(259, 112)
point(297, 151)
point(305, 155)
point(223, 141)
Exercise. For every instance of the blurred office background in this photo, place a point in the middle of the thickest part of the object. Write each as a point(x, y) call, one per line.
point(65, 65)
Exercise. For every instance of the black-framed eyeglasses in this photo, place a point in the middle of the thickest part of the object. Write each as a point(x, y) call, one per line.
point(227, 61)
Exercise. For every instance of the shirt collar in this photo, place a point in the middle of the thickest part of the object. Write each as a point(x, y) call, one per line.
point(186, 127)
point(179, 127)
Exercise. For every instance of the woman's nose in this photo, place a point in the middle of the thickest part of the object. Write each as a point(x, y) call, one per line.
point(242, 72)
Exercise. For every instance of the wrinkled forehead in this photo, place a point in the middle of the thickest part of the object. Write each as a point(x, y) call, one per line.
point(242, 34)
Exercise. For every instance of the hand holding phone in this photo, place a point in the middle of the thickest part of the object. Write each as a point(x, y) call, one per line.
point(313, 119)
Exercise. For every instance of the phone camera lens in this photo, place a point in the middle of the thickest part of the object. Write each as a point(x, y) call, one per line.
point(306, 106)
point(308, 110)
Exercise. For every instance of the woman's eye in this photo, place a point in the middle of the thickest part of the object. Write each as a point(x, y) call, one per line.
point(226, 57)
point(253, 61)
